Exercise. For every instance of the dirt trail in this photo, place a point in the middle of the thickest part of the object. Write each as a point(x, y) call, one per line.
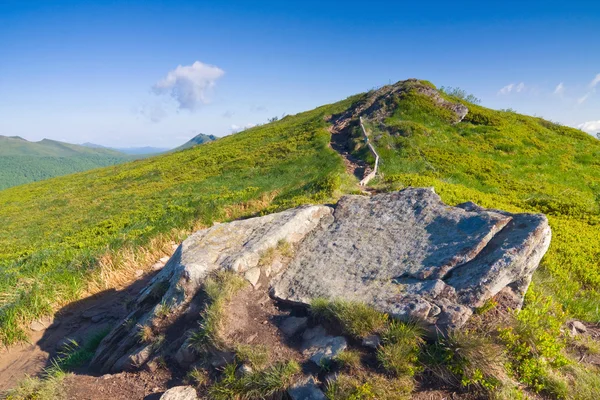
point(80, 321)
point(339, 142)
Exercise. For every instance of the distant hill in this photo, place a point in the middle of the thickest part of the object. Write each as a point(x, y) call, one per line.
point(22, 161)
point(134, 151)
point(195, 141)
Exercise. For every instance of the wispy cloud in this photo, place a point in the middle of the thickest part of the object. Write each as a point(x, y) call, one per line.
point(189, 85)
point(584, 98)
point(590, 126)
point(512, 88)
point(560, 89)
point(237, 128)
point(595, 81)
point(228, 114)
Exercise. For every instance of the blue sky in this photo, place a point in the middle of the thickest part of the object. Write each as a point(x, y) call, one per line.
point(128, 73)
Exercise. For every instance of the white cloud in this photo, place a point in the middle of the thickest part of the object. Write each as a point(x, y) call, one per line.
point(590, 126)
point(583, 98)
point(512, 87)
point(237, 128)
point(595, 81)
point(506, 89)
point(189, 85)
point(560, 89)
point(520, 87)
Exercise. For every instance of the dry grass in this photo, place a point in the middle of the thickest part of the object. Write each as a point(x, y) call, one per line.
point(117, 269)
point(250, 207)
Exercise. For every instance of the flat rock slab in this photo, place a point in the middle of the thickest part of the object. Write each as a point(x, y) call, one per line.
point(414, 257)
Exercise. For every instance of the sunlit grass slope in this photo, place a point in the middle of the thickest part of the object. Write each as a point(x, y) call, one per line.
point(509, 161)
point(53, 232)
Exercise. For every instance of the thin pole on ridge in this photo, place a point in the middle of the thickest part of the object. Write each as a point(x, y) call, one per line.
point(367, 178)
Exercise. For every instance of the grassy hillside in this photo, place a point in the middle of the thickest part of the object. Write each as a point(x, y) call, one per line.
point(22, 161)
point(55, 231)
point(510, 161)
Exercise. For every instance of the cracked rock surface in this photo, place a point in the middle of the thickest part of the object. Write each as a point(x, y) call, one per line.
point(414, 257)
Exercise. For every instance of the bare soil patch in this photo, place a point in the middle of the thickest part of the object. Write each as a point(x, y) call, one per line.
point(253, 319)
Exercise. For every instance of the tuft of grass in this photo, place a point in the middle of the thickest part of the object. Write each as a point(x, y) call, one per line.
point(468, 360)
point(255, 356)
point(145, 334)
point(49, 385)
point(163, 309)
point(356, 319)
point(285, 248)
point(490, 304)
point(219, 289)
point(399, 351)
point(348, 360)
point(47, 388)
point(368, 386)
point(271, 382)
point(197, 377)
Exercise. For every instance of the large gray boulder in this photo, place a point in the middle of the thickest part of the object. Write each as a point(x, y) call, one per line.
point(405, 253)
point(237, 246)
point(412, 256)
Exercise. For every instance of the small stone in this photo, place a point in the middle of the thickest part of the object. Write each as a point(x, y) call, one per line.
point(577, 327)
point(158, 266)
point(106, 377)
point(180, 393)
point(139, 273)
point(252, 276)
point(38, 326)
point(371, 341)
point(251, 338)
point(306, 390)
point(220, 359)
point(165, 258)
point(186, 355)
point(293, 325)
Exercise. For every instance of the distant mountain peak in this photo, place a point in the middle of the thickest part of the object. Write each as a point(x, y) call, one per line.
point(196, 140)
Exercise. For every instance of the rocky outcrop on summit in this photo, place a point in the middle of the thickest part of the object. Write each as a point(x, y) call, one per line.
point(379, 104)
point(412, 256)
point(405, 253)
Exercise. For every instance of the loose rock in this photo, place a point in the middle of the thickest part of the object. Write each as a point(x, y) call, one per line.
point(180, 393)
point(306, 390)
point(293, 325)
point(321, 347)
